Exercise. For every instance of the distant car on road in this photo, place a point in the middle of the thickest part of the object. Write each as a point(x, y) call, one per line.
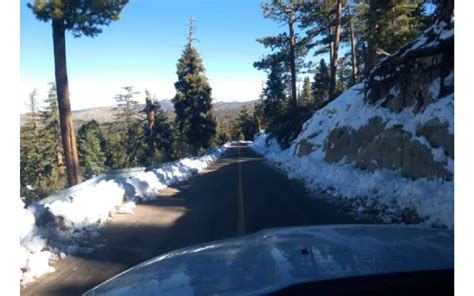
point(312, 260)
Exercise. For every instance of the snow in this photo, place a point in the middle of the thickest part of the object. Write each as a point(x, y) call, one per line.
point(77, 216)
point(34, 260)
point(432, 199)
point(441, 30)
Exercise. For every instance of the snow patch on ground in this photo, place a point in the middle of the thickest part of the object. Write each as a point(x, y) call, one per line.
point(431, 199)
point(49, 231)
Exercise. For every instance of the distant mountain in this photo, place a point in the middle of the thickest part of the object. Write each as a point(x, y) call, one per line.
point(223, 110)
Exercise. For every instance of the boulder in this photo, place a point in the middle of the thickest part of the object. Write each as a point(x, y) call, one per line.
point(437, 133)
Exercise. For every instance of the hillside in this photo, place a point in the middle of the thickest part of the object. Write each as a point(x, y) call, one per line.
point(223, 110)
point(386, 145)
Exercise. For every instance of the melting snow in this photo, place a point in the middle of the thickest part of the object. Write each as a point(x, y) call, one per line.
point(79, 214)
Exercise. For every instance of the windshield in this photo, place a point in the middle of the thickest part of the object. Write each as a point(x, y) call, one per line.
point(311, 139)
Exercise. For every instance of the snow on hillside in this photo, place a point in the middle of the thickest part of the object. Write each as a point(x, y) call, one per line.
point(385, 191)
point(50, 230)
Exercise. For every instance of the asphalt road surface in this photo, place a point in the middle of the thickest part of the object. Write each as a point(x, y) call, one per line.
point(239, 194)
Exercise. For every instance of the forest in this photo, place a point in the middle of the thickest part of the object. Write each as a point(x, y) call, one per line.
point(324, 48)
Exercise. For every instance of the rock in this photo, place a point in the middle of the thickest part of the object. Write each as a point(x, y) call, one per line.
point(337, 144)
point(418, 163)
point(437, 133)
point(384, 152)
point(304, 148)
point(372, 147)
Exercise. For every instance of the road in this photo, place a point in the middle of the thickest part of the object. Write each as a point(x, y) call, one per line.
point(239, 194)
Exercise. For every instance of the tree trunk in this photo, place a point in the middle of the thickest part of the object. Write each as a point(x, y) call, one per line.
point(292, 63)
point(355, 71)
point(371, 43)
point(65, 116)
point(332, 85)
point(331, 43)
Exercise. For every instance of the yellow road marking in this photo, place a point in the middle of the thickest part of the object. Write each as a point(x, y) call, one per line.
point(240, 199)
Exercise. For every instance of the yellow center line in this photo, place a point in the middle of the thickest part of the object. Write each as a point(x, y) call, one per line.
point(240, 199)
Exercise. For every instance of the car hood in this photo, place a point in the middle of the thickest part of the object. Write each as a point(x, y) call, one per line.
point(273, 259)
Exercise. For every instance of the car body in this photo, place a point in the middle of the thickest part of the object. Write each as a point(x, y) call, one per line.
point(271, 260)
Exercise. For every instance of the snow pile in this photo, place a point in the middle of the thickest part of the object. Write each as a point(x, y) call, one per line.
point(383, 190)
point(94, 204)
point(49, 230)
point(145, 185)
point(33, 253)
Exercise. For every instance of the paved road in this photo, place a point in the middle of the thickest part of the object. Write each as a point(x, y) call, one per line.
point(237, 195)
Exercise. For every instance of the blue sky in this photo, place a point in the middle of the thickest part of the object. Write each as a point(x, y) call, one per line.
point(142, 49)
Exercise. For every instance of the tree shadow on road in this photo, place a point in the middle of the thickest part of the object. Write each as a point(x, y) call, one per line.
point(203, 209)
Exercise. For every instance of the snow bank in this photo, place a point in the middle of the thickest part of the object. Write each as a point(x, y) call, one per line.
point(431, 199)
point(56, 226)
point(33, 253)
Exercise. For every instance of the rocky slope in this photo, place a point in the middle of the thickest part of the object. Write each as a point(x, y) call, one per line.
point(390, 139)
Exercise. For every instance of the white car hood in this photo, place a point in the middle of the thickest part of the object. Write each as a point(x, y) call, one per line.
point(273, 259)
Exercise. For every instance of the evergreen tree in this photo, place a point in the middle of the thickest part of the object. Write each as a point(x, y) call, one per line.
point(115, 135)
point(91, 147)
point(275, 95)
point(320, 85)
point(391, 24)
point(246, 125)
point(81, 17)
point(160, 146)
point(54, 177)
point(222, 134)
point(344, 75)
point(51, 131)
point(196, 125)
point(285, 12)
point(259, 112)
point(130, 122)
point(41, 171)
point(30, 156)
point(306, 98)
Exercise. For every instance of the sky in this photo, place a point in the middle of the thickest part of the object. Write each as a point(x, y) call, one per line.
point(143, 47)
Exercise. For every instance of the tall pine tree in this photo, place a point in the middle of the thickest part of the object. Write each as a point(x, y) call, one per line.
point(81, 17)
point(193, 104)
point(158, 132)
point(91, 147)
point(306, 97)
point(130, 125)
point(320, 86)
point(30, 154)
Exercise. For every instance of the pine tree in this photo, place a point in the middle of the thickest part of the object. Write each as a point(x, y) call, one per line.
point(130, 122)
point(275, 95)
point(196, 125)
point(306, 97)
point(246, 124)
point(344, 75)
point(391, 24)
point(92, 149)
point(320, 85)
point(159, 138)
point(30, 156)
point(54, 177)
point(81, 17)
point(286, 12)
point(51, 131)
point(259, 112)
point(115, 136)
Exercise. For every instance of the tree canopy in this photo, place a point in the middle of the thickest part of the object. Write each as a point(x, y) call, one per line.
point(81, 17)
